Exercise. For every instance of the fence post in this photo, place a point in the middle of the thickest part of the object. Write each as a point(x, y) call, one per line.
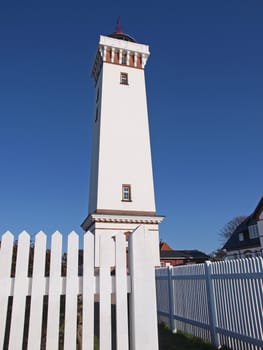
point(211, 304)
point(171, 300)
point(143, 310)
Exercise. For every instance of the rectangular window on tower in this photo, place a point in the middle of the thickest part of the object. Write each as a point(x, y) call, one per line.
point(98, 95)
point(97, 114)
point(126, 193)
point(124, 78)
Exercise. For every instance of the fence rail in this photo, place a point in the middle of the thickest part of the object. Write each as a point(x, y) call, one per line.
point(221, 302)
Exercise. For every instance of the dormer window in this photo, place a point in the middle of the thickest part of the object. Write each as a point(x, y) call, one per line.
point(253, 231)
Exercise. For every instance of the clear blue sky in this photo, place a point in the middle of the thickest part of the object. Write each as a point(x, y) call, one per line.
point(205, 100)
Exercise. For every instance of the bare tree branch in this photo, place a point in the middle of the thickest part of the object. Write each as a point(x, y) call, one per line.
point(226, 232)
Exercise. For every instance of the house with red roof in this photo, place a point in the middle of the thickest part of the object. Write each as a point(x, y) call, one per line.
point(171, 257)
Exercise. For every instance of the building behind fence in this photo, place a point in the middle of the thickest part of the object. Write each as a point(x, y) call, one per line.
point(44, 308)
point(221, 302)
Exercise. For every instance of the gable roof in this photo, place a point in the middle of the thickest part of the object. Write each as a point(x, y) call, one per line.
point(259, 209)
point(183, 254)
point(234, 242)
point(164, 246)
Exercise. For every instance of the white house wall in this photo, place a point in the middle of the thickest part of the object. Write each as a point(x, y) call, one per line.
point(151, 232)
point(260, 229)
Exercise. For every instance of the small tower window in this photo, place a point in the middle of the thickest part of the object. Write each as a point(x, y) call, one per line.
point(98, 95)
point(97, 114)
point(126, 193)
point(124, 78)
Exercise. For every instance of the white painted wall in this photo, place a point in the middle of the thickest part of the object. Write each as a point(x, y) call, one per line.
point(125, 156)
point(152, 237)
point(113, 229)
point(121, 151)
point(95, 152)
point(121, 142)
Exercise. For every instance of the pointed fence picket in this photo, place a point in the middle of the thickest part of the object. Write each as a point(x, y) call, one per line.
point(6, 251)
point(53, 308)
point(71, 307)
point(142, 298)
point(105, 292)
point(88, 293)
point(38, 290)
point(54, 292)
point(121, 294)
point(20, 292)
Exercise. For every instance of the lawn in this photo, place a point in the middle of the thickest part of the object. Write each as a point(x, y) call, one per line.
point(180, 341)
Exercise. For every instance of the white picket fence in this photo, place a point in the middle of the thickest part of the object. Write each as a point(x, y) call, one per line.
point(221, 302)
point(26, 298)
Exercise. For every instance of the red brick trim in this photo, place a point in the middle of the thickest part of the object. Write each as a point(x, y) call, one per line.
point(125, 212)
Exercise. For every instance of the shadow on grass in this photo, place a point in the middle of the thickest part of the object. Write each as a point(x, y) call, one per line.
point(180, 341)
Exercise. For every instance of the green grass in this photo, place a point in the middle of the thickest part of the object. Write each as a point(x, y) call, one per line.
point(181, 341)
point(178, 341)
point(96, 343)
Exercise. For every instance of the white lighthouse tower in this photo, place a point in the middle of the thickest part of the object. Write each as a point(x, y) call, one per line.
point(121, 182)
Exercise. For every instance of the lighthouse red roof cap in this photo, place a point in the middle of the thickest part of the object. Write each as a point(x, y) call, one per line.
point(118, 34)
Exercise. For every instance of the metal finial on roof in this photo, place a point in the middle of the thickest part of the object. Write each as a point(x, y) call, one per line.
point(118, 25)
point(118, 34)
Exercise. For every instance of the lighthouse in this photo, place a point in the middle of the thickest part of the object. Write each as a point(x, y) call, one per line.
point(121, 194)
